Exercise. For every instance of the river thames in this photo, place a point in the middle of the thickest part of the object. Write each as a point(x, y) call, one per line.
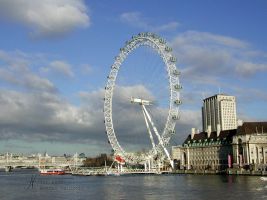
point(28, 184)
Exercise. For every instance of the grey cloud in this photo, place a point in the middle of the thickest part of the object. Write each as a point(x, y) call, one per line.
point(40, 116)
point(129, 119)
point(47, 117)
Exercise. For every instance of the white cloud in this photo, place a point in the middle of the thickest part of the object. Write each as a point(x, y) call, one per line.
point(206, 39)
point(47, 17)
point(136, 19)
point(247, 68)
point(210, 62)
point(133, 19)
point(207, 56)
point(59, 67)
point(86, 69)
point(15, 70)
point(166, 27)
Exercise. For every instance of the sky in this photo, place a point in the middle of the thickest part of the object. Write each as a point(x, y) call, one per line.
point(55, 56)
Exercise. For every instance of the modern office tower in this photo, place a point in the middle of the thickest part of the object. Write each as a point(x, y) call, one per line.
point(219, 113)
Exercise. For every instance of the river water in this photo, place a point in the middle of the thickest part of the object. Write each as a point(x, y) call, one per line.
point(29, 185)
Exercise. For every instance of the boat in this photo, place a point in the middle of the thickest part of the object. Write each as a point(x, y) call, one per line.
point(263, 178)
point(112, 174)
point(52, 171)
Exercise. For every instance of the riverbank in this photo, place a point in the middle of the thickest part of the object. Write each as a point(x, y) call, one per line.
point(223, 172)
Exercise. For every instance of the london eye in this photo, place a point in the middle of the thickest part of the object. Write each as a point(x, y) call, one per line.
point(158, 150)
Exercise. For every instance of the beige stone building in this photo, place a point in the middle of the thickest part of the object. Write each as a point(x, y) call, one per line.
point(244, 147)
point(202, 151)
point(250, 145)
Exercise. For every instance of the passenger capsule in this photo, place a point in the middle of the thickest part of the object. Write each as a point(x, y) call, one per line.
point(178, 87)
point(134, 37)
point(173, 59)
point(175, 117)
point(168, 49)
point(176, 72)
point(178, 102)
point(162, 41)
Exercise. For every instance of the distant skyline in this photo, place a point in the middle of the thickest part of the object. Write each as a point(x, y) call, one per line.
point(55, 57)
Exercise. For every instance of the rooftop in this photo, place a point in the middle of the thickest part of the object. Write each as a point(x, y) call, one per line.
point(246, 128)
point(221, 94)
point(252, 127)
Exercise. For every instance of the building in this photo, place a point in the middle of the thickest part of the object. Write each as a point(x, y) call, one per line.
point(206, 151)
point(222, 144)
point(219, 113)
point(176, 155)
point(250, 145)
point(244, 147)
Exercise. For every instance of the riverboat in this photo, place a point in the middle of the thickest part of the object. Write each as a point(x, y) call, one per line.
point(52, 171)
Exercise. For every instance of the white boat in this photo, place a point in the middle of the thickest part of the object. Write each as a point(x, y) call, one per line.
point(52, 171)
point(263, 178)
point(113, 174)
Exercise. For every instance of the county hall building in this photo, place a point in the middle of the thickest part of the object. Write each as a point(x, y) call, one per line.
point(223, 143)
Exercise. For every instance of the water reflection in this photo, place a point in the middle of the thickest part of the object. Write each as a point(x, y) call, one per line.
point(14, 186)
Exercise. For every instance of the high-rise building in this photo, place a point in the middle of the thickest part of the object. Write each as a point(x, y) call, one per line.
point(219, 113)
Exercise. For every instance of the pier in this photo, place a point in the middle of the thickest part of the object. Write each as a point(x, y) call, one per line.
point(10, 161)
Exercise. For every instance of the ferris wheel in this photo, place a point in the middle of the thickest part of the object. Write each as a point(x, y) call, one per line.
point(159, 150)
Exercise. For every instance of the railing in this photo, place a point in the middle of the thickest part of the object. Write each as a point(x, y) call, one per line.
point(36, 163)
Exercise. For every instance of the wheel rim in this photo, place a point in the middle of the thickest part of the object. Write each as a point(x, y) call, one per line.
point(164, 51)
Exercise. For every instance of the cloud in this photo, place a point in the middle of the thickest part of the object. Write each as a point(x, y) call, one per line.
point(15, 71)
point(86, 69)
point(206, 39)
point(209, 62)
point(41, 114)
point(249, 95)
point(59, 67)
point(32, 111)
point(45, 116)
point(136, 19)
point(40, 117)
point(166, 27)
point(47, 18)
point(128, 119)
point(247, 68)
point(209, 55)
